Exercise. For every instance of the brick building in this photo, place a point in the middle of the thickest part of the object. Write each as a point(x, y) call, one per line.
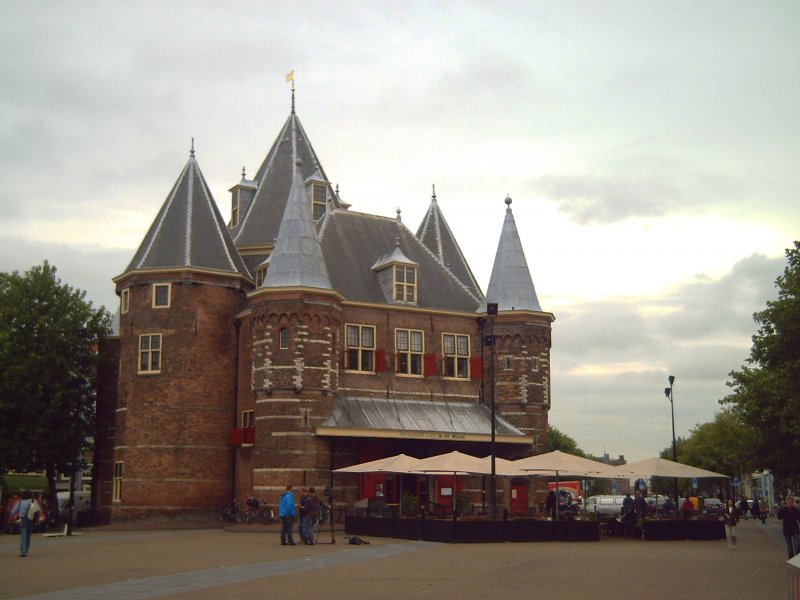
point(302, 336)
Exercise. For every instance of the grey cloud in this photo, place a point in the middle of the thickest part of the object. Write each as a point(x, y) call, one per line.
point(592, 199)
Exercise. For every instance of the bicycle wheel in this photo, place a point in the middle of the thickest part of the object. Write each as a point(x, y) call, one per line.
point(241, 516)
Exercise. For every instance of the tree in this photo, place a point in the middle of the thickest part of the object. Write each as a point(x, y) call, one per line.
point(766, 391)
point(561, 441)
point(49, 335)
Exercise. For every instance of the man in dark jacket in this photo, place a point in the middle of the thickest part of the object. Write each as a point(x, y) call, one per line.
point(790, 516)
point(312, 515)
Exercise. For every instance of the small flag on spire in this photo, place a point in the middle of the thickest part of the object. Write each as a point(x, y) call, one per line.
point(290, 76)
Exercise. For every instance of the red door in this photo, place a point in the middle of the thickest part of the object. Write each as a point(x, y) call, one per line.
point(519, 497)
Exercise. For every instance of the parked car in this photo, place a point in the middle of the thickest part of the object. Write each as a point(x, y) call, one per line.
point(714, 506)
point(604, 505)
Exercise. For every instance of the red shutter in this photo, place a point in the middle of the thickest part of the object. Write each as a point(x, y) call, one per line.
point(475, 367)
point(380, 360)
point(429, 364)
point(249, 435)
point(235, 437)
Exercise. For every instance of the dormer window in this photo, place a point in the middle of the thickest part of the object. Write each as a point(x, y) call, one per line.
point(261, 273)
point(319, 201)
point(405, 284)
point(235, 209)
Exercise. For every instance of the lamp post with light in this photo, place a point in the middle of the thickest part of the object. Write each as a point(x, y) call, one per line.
point(668, 394)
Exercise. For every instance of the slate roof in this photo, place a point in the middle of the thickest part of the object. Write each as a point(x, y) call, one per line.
point(297, 257)
point(416, 415)
point(435, 233)
point(259, 225)
point(189, 230)
point(353, 242)
point(510, 285)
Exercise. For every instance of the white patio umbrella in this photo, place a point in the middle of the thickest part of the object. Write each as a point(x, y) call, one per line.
point(392, 464)
point(563, 464)
point(398, 464)
point(661, 467)
point(456, 463)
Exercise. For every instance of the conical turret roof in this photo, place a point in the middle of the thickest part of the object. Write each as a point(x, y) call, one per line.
point(511, 286)
point(297, 258)
point(258, 226)
point(189, 230)
point(435, 233)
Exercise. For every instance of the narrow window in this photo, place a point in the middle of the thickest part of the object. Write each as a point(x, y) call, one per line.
point(260, 275)
point(409, 346)
point(150, 353)
point(456, 355)
point(534, 364)
point(507, 363)
point(248, 418)
point(319, 201)
point(161, 295)
point(117, 484)
point(360, 350)
point(283, 337)
point(124, 301)
point(235, 209)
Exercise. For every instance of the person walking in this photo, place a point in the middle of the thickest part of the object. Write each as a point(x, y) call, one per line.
point(755, 510)
point(550, 505)
point(730, 516)
point(26, 508)
point(311, 516)
point(286, 511)
point(790, 515)
point(686, 508)
point(301, 514)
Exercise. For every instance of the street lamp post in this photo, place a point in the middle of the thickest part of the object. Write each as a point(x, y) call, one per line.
point(668, 394)
point(491, 311)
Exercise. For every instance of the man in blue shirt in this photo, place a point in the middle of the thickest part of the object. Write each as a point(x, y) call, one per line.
point(286, 511)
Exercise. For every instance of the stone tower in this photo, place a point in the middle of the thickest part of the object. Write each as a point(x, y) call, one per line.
point(178, 350)
point(521, 340)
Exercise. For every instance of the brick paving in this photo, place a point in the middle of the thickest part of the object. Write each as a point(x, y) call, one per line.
point(204, 561)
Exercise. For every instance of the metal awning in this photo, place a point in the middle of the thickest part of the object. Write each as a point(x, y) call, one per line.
point(416, 419)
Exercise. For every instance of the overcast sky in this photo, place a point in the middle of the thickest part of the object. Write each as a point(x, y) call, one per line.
point(650, 149)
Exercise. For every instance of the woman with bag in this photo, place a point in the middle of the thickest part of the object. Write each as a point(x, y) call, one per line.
point(28, 511)
point(731, 515)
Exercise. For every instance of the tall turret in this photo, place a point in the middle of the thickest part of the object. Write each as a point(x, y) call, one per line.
point(521, 333)
point(293, 326)
point(176, 390)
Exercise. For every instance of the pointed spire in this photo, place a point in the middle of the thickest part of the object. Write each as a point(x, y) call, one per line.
point(399, 220)
point(244, 176)
point(297, 259)
point(189, 230)
point(511, 286)
point(435, 234)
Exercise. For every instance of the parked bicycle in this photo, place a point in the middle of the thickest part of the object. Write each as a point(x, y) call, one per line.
point(255, 510)
point(228, 513)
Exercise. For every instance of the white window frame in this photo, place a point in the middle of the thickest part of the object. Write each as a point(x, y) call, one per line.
point(317, 204)
point(362, 352)
point(124, 301)
point(116, 488)
point(456, 355)
point(148, 353)
point(412, 358)
point(156, 287)
point(405, 291)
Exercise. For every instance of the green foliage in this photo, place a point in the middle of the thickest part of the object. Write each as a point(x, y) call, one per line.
point(49, 336)
point(561, 441)
point(766, 390)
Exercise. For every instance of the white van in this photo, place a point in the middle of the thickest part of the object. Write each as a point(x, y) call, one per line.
point(604, 505)
point(83, 504)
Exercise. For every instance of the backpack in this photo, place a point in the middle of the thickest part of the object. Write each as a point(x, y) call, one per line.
point(33, 508)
